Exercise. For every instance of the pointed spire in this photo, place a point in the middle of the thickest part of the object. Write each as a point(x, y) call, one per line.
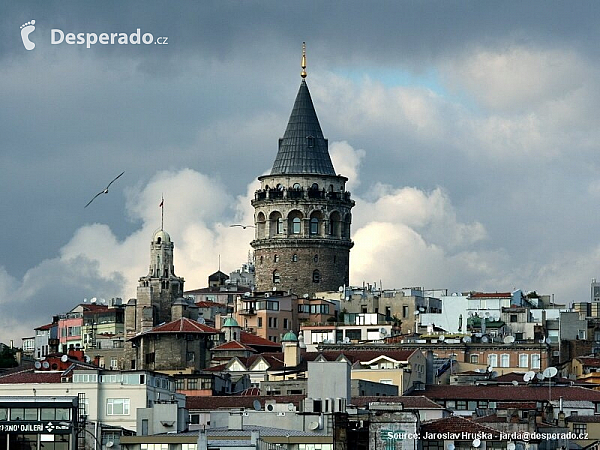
point(303, 149)
point(303, 73)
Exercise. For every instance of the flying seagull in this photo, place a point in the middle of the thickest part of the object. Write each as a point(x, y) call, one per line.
point(243, 226)
point(104, 191)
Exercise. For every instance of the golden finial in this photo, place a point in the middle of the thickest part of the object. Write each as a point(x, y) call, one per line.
point(303, 73)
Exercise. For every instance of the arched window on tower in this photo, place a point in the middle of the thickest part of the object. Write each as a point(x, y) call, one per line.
point(314, 226)
point(296, 225)
point(275, 224)
point(276, 278)
point(316, 276)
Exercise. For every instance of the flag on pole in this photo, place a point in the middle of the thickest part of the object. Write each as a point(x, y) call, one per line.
point(162, 200)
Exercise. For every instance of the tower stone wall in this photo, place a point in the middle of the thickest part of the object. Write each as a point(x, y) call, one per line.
point(302, 212)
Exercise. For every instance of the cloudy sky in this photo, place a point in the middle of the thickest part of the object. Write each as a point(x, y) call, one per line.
point(469, 131)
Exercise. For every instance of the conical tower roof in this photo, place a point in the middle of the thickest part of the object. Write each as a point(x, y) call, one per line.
point(303, 149)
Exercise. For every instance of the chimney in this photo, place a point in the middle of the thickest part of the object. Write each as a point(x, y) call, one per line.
point(429, 368)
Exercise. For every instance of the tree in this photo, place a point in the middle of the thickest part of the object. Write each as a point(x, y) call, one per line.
point(7, 357)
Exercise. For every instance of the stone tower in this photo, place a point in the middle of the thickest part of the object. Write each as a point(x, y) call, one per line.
point(302, 211)
point(156, 291)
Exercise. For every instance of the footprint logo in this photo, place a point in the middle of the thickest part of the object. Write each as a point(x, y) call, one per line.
point(26, 30)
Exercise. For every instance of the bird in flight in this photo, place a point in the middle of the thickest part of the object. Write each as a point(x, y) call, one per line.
point(243, 226)
point(105, 190)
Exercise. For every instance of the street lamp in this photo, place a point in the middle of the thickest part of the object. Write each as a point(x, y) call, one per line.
point(81, 428)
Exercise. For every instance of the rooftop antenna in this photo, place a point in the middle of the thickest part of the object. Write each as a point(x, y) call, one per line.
point(303, 73)
point(162, 212)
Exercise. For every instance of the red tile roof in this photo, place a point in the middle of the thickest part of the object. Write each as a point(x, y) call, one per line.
point(183, 325)
point(589, 361)
point(457, 424)
point(508, 393)
point(233, 345)
point(207, 304)
point(45, 327)
point(253, 339)
point(29, 376)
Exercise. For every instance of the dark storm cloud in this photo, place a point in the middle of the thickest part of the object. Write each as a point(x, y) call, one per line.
point(411, 83)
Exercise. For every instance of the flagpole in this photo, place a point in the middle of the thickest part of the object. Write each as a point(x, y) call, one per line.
point(162, 212)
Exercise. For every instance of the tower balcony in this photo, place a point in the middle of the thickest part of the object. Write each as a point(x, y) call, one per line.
point(301, 194)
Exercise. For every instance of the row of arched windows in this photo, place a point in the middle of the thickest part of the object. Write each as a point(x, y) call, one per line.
point(315, 225)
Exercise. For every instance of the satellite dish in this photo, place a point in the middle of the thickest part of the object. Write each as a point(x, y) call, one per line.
point(515, 383)
point(476, 442)
point(487, 314)
point(450, 446)
point(110, 444)
point(38, 365)
point(509, 339)
point(341, 289)
point(528, 376)
point(442, 337)
point(87, 359)
point(550, 372)
point(548, 341)
point(540, 376)
point(422, 309)
point(467, 339)
point(416, 313)
point(511, 446)
point(64, 358)
point(484, 339)
point(313, 425)
point(256, 405)
point(494, 374)
point(45, 364)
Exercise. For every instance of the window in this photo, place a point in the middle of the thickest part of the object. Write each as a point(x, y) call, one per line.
point(294, 257)
point(492, 360)
point(314, 226)
point(296, 225)
point(23, 414)
point(285, 324)
point(55, 414)
point(404, 311)
point(513, 318)
point(316, 276)
point(117, 406)
point(276, 278)
point(113, 363)
point(179, 384)
point(462, 404)
point(195, 419)
point(192, 383)
point(535, 361)
point(3, 413)
point(523, 360)
point(279, 225)
point(259, 322)
point(580, 428)
point(474, 359)
point(505, 360)
point(275, 258)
